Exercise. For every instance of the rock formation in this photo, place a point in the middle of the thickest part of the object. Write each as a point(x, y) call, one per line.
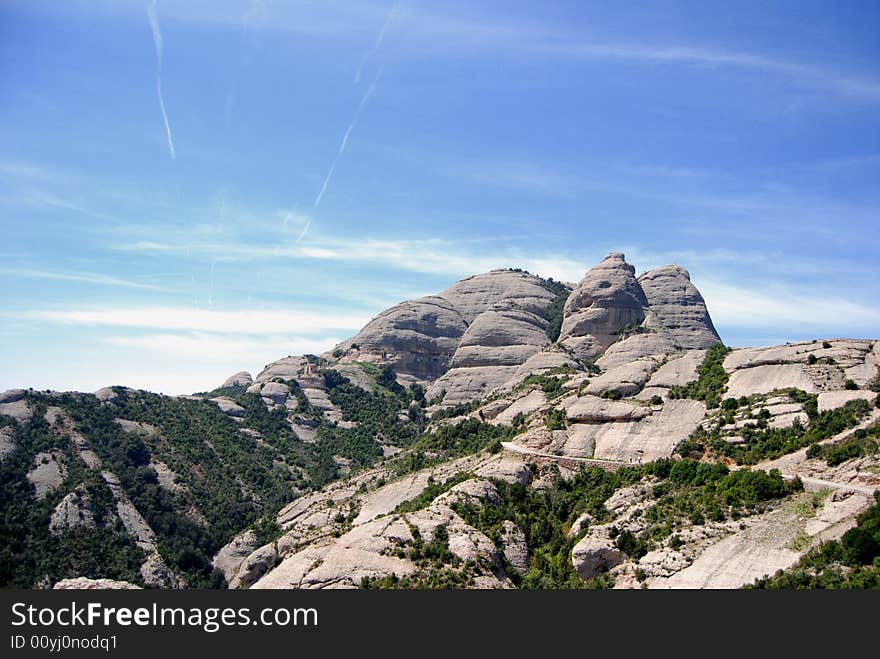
point(605, 301)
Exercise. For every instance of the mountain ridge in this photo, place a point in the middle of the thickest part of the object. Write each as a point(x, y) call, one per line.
point(403, 456)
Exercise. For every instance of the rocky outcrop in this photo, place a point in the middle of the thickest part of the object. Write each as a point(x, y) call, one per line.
point(73, 510)
point(84, 583)
point(16, 407)
point(230, 557)
point(593, 555)
point(7, 442)
point(47, 474)
point(814, 367)
point(678, 307)
point(513, 542)
point(12, 395)
point(473, 335)
point(606, 300)
point(229, 406)
point(830, 400)
point(416, 338)
point(240, 379)
point(275, 392)
point(592, 409)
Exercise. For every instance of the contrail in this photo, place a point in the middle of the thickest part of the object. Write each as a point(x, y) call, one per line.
point(389, 19)
point(392, 14)
point(165, 117)
point(357, 115)
point(158, 43)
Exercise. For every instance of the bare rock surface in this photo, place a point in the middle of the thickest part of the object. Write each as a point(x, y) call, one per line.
point(18, 409)
point(240, 379)
point(592, 409)
point(12, 395)
point(831, 400)
point(230, 557)
point(525, 405)
point(678, 371)
point(679, 307)
point(7, 442)
point(605, 301)
point(655, 344)
point(47, 474)
point(229, 406)
point(84, 583)
point(72, 511)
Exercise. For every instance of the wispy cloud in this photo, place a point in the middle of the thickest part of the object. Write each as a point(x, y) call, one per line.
point(159, 44)
point(693, 55)
point(779, 308)
point(202, 346)
point(244, 321)
point(435, 257)
point(357, 115)
point(77, 277)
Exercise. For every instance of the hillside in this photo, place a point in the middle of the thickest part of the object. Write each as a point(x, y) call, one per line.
point(511, 431)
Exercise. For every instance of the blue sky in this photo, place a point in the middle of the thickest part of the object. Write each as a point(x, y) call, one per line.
point(188, 189)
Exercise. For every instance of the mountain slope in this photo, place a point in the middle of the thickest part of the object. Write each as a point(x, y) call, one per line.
point(509, 432)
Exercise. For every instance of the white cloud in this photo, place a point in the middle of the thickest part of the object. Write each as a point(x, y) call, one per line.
point(776, 307)
point(207, 347)
point(435, 257)
point(247, 322)
point(79, 277)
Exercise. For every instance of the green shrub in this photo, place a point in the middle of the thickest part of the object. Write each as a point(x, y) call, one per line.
point(556, 419)
point(711, 381)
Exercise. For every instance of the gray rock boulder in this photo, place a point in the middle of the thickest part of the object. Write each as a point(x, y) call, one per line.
point(240, 379)
point(12, 395)
point(605, 301)
point(592, 409)
point(84, 583)
point(277, 392)
point(514, 546)
point(47, 474)
point(73, 510)
point(678, 306)
point(229, 406)
point(417, 338)
point(594, 555)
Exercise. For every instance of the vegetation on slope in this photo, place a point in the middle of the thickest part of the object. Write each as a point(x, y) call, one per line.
point(554, 311)
point(851, 562)
point(711, 381)
point(862, 442)
point(225, 480)
point(688, 493)
point(765, 443)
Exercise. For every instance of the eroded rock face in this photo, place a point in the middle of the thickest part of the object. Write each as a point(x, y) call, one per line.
point(12, 395)
point(594, 555)
point(48, 473)
point(229, 406)
point(679, 307)
point(73, 510)
point(473, 335)
point(240, 379)
point(416, 338)
point(84, 583)
point(592, 409)
point(516, 550)
point(605, 301)
point(229, 558)
point(7, 442)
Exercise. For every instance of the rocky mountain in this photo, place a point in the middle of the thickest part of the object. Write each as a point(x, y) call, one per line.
point(511, 431)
